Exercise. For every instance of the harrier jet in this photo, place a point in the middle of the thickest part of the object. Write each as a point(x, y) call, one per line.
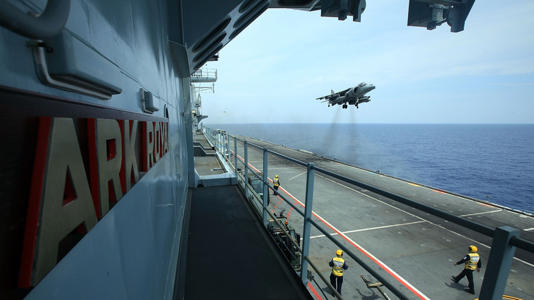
point(355, 95)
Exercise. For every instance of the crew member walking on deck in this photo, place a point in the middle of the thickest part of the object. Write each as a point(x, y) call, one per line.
point(471, 262)
point(276, 184)
point(338, 267)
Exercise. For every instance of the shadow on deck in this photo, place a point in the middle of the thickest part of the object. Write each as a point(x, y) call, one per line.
point(229, 253)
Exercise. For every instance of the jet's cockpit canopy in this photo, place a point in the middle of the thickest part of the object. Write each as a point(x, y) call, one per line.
point(362, 84)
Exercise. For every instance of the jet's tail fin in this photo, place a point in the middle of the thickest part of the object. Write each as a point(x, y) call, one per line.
point(332, 92)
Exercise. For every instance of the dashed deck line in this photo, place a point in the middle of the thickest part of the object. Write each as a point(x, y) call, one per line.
point(371, 197)
point(481, 213)
point(382, 265)
point(415, 216)
point(451, 231)
point(403, 281)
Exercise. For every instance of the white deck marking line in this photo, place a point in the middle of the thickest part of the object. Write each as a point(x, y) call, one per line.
point(369, 228)
point(529, 229)
point(451, 231)
point(481, 213)
point(357, 246)
point(297, 175)
point(392, 206)
point(381, 264)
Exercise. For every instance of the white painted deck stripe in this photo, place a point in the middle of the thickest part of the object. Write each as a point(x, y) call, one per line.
point(481, 213)
point(529, 229)
point(297, 176)
point(451, 231)
point(370, 228)
point(373, 198)
point(363, 250)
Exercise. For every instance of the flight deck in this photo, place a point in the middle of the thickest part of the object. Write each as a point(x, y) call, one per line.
point(415, 249)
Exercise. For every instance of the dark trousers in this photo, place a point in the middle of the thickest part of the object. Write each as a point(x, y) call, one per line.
point(275, 190)
point(336, 282)
point(469, 275)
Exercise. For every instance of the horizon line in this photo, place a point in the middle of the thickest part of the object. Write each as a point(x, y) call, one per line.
point(371, 123)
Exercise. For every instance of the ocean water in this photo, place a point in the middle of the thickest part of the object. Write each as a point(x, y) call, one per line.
point(488, 162)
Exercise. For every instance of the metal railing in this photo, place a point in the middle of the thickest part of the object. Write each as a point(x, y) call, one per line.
point(204, 75)
point(505, 238)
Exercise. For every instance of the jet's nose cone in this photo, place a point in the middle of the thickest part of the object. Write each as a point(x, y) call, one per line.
point(368, 88)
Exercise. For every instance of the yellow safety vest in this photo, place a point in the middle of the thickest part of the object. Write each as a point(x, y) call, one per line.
point(276, 183)
point(337, 269)
point(471, 264)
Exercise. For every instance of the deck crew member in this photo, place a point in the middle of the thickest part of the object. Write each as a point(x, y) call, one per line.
point(471, 262)
point(338, 267)
point(276, 184)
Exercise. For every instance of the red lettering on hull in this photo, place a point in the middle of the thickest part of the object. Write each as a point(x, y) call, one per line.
point(63, 200)
point(34, 203)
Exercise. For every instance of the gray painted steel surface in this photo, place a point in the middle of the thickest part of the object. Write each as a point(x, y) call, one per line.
point(417, 246)
point(137, 241)
point(123, 50)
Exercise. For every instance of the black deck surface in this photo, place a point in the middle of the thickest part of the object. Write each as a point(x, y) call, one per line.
point(229, 255)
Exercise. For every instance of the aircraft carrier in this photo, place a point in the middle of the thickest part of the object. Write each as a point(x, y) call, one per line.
point(109, 191)
point(418, 247)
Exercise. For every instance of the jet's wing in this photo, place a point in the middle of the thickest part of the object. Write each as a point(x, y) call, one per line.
point(343, 92)
point(334, 95)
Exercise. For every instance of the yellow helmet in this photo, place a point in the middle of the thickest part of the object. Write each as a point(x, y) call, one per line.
point(276, 176)
point(473, 248)
point(339, 252)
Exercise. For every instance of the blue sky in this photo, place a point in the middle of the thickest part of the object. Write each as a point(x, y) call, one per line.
point(274, 70)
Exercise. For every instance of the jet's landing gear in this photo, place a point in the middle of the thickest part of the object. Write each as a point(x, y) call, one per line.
point(345, 106)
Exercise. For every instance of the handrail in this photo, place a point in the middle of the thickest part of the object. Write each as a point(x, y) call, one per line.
point(291, 240)
point(480, 228)
point(90, 88)
point(279, 224)
point(505, 239)
point(348, 251)
point(49, 23)
point(279, 195)
point(322, 277)
point(360, 262)
point(522, 244)
point(483, 229)
point(277, 154)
